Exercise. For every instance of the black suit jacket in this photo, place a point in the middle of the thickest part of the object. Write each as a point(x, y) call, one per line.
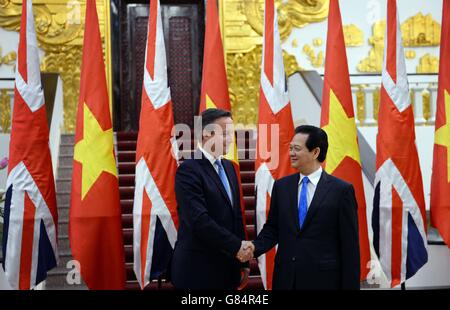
point(324, 254)
point(210, 227)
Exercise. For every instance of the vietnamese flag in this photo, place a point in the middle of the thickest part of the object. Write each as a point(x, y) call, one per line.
point(440, 180)
point(214, 92)
point(338, 120)
point(95, 229)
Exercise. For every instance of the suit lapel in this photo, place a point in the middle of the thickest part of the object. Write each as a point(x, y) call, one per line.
point(214, 176)
point(321, 191)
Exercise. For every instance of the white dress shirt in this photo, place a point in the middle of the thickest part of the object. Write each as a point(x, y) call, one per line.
point(312, 185)
point(210, 158)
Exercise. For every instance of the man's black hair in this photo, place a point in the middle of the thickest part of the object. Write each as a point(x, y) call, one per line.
point(317, 137)
point(209, 116)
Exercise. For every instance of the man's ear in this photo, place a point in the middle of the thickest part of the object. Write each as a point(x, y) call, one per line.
point(207, 133)
point(316, 152)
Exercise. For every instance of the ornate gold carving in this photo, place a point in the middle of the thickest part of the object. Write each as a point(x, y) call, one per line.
point(374, 61)
point(317, 42)
point(410, 54)
point(316, 60)
point(244, 70)
point(5, 110)
point(420, 30)
point(360, 106)
point(244, 20)
point(426, 99)
point(59, 29)
point(428, 64)
point(294, 43)
point(353, 35)
point(376, 102)
point(9, 59)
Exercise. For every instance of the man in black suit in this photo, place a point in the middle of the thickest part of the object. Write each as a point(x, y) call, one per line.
point(211, 230)
point(313, 219)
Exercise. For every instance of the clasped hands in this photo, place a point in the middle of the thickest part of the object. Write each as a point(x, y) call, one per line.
point(245, 253)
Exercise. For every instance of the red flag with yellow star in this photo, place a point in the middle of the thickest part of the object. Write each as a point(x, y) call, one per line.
point(95, 228)
point(214, 81)
point(338, 120)
point(440, 180)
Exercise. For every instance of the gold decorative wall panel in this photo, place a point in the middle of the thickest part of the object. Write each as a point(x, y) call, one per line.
point(353, 35)
point(421, 30)
point(417, 31)
point(244, 71)
point(5, 109)
point(428, 64)
point(243, 21)
point(59, 28)
point(9, 59)
point(243, 24)
point(374, 61)
point(316, 59)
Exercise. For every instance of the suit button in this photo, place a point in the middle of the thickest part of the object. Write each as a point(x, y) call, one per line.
point(293, 259)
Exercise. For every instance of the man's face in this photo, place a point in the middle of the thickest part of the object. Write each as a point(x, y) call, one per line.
point(219, 135)
point(301, 158)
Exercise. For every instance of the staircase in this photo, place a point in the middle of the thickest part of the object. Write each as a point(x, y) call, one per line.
point(57, 277)
point(126, 155)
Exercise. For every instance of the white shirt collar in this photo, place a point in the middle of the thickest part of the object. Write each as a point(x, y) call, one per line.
point(313, 177)
point(208, 155)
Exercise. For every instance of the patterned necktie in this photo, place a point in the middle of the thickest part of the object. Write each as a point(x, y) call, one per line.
point(303, 202)
point(224, 179)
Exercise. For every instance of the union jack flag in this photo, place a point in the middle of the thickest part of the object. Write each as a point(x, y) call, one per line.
point(155, 208)
point(30, 234)
point(398, 217)
point(274, 112)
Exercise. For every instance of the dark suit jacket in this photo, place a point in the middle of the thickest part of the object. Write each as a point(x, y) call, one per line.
point(210, 227)
point(324, 254)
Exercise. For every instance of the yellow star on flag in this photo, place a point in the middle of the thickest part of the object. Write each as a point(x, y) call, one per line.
point(94, 152)
point(209, 103)
point(442, 135)
point(342, 138)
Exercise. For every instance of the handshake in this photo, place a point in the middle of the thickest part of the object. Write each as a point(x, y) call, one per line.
point(245, 253)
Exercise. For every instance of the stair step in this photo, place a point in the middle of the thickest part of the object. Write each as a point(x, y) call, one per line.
point(63, 226)
point(248, 189)
point(67, 139)
point(64, 173)
point(63, 213)
point(127, 206)
point(62, 198)
point(66, 149)
point(126, 192)
point(64, 185)
point(65, 161)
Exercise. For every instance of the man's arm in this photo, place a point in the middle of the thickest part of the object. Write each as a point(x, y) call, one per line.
point(349, 236)
point(192, 205)
point(268, 237)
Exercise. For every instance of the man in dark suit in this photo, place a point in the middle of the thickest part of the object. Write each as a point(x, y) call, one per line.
point(211, 230)
point(313, 219)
